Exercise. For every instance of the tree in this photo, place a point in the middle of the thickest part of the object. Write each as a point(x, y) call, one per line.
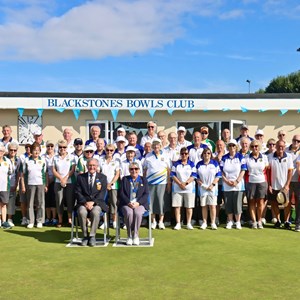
point(284, 84)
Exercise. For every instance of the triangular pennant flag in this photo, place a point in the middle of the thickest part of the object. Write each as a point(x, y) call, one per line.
point(40, 111)
point(60, 109)
point(152, 112)
point(188, 110)
point(95, 113)
point(244, 109)
point(132, 112)
point(190, 130)
point(170, 112)
point(21, 111)
point(114, 113)
point(298, 111)
point(76, 113)
point(225, 109)
point(283, 111)
point(205, 110)
point(262, 110)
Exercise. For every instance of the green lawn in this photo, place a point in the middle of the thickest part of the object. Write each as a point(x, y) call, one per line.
point(222, 264)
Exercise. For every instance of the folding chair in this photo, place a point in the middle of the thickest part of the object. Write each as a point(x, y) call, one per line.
point(75, 240)
point(144, 242)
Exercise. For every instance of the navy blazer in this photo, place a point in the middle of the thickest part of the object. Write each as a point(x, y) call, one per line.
point(83, 194)
point(142, 192)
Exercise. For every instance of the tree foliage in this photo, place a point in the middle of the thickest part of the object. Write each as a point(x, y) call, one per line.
point(284, 84)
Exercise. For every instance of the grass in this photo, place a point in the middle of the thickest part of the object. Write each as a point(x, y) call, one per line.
point(222, 264)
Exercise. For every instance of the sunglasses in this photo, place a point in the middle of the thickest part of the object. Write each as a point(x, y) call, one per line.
point(207, 153)
point(150, 127)
point(204, 132)
point(296, 141)
point(184, 153)
point(271, 145)
point(231, 145)
point(254, 146)
point(134, 169)
point(89, 151)
point(62, 147)
point(50, 146)
point(109, 150)
point(281, 134)
point(78, 144)
point(13, 150)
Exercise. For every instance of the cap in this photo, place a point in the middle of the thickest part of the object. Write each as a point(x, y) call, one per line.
point(244, 126)
point(130, 148)
point(259, 132)
point(49, 143)
point(78, 141)
point(156, 141)
point(37, 132)
point(120, 139)
point(121, 129)
point(181, 128)
point(232, 141)
point(88, 148)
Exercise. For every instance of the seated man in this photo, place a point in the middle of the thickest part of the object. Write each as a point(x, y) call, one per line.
point(90, 191)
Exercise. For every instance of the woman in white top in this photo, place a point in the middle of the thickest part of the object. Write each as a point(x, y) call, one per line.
point(256, 186)
point(111, 168)
point(63, 170)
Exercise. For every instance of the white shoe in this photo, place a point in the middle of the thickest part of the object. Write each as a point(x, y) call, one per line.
point(177, 226)
point(30, 226)
point(10, 222)
point(217, 222)
point(189, 226)
point(264, 221)
point(154, 224)
point(238, 225)
point(124, 227)
point(260, 225)
point(24, 221)
point(102, 226)
point(114, 224)
point(161, 225)
point(129, 242)
point(229, 225)
point(136, 241)
point(39, 225)
point(203, 226)
point(254, 225)
point(213, 226)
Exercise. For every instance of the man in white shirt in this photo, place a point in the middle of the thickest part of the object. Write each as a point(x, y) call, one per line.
point(182, 142)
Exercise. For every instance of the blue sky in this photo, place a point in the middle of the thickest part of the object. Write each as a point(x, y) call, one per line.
point(171, 46)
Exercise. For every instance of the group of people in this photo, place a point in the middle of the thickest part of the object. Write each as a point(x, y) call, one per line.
point(162, 172)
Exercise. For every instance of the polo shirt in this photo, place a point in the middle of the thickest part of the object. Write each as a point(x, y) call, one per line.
point(35, 171)
point(147, 138)
point(156, 167)
point(124, 167)
point(279, 169)
point(294, 155)
point(231, 168)
point(183, 173)
point(195, 153)
point(109, 169)
point(257, 168)
point(63, 166)
point(173, 153)
point(16, 165)
point(5, 170)
point(185, 143)
point(207, 173)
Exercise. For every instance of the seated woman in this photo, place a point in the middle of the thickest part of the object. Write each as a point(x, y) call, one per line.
point(133, 199)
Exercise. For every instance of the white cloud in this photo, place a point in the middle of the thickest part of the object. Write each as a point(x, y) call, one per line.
point(232, 14)
point(94, 29)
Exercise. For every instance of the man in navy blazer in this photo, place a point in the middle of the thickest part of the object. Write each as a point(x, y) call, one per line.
point(90, 192)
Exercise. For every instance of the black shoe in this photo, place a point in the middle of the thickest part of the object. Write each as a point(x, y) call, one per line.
point(287, 226)
point(92, 241)
point(277, 224)
point(85, 241)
